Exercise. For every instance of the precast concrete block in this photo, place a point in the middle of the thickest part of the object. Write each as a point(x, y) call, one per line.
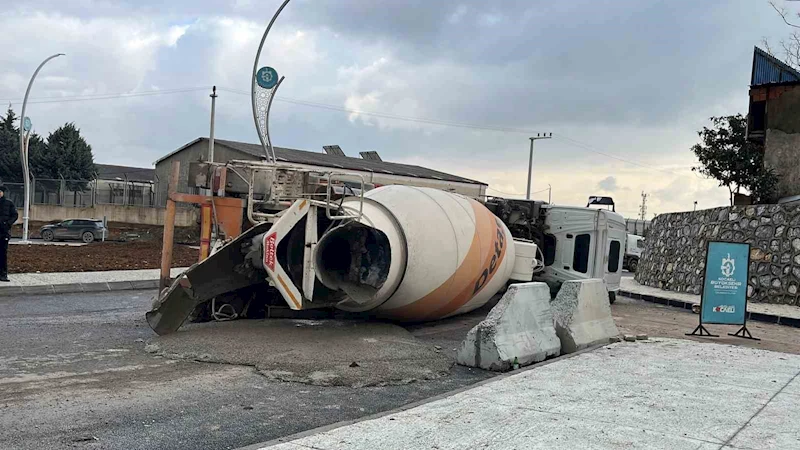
point(519, 327)
point(582, 315)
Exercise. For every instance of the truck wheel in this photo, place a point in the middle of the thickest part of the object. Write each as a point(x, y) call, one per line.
point(632, 265)
point(612, 297)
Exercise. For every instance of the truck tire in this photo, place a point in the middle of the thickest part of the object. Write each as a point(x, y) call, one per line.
point(612, 297)
point(633, 264)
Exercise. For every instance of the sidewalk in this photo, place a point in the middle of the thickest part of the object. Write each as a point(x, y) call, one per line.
point(72, 282)
point(656, 394)
point(761, 312)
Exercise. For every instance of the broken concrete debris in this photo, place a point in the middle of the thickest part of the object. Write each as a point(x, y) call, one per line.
point(582, 315)
point(519, 329)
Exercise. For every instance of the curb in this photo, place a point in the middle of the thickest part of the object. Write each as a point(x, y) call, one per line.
point(75, 288)
point(758, 317)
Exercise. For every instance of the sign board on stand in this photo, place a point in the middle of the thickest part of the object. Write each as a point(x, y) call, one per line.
point(724, 297)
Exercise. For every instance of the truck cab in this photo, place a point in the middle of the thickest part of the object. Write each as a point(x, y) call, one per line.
point(633, 251)
point(581, 243)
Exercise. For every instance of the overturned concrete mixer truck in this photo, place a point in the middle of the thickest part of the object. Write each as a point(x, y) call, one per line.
point(399, 252)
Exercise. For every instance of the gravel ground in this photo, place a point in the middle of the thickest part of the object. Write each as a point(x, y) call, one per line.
point(94, 257)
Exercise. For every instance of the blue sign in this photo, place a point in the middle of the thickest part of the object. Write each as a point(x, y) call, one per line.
point(725, 286)
point(26, 124)
point(267, 77)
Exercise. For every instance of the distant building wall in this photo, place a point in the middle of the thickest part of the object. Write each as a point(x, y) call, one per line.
point(782, 154)
point(222, 153)
point(675, 249)
point(184, 217)
point(774, 119)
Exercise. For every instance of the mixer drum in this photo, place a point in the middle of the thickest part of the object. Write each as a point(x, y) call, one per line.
point(416, 254)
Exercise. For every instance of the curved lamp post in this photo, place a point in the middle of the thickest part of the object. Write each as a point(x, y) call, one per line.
point(24, 152)
point(262, 92)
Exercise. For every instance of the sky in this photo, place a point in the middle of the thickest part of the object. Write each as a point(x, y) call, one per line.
point(623, 85)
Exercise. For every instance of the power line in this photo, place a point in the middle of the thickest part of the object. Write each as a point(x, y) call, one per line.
point(80, 98)
point(565, 139)
point(428, 121)
point(509, 193)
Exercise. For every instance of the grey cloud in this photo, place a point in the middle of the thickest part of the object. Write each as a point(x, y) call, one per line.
point(608, 184)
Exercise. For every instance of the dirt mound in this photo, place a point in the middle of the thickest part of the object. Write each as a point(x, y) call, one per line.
point(94, 257)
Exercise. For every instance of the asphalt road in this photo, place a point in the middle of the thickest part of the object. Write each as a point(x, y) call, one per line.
point(74, 373)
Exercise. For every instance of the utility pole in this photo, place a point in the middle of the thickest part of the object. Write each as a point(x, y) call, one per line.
point(643, 208)
point(211, 133)
point(530, 161)
point(549, 193)
point(24, 153)
point(695, 206)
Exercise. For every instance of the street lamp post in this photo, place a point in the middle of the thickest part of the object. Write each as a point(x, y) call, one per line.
point(24, 153)
point(530, 162)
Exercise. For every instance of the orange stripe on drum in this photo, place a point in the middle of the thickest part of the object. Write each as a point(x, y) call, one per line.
point(485, 254)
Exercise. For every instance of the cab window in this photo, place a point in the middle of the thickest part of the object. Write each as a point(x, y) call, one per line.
point(580, 258)
point(613, 256)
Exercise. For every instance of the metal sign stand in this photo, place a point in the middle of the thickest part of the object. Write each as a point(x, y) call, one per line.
point(701, 330)
point(745, 334)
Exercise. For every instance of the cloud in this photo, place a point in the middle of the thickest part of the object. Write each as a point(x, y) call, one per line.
point(609, 80)
point(608, 184)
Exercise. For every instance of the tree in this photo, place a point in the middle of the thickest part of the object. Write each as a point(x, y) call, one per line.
point(790, 45)
point(66, 155)
point(729, 158)
point(10, 168)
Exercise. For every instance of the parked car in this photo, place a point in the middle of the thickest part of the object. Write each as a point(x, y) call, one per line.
point(87, 230)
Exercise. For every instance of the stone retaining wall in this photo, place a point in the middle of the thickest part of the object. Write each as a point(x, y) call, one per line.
point(674, 256)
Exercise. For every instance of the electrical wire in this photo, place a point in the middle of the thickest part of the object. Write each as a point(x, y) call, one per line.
point(89, 97)
point(422, 120)
point(509, 193)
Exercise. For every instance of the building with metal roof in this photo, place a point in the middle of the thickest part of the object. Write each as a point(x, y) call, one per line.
point(768, 69)
point(125, 173)
point(773, 119)
point(372, 169)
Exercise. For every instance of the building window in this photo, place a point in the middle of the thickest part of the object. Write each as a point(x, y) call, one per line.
point(613, 257)
point(549, 250)
point(580, 259)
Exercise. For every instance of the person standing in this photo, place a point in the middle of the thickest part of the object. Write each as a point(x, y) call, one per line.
point(8, 215)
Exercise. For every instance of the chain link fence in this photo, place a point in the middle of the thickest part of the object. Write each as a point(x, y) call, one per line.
point(85, 193)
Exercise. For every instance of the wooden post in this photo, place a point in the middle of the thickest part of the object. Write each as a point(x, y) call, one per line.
point(205, 230)
point(169, 227)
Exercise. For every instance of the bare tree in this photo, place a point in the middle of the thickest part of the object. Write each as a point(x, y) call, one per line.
point(790, 45)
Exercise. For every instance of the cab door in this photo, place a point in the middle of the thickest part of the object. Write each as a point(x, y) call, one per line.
point(615, 251)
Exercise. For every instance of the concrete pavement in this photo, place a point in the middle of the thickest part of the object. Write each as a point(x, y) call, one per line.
point(656, 394)
point(74, 282)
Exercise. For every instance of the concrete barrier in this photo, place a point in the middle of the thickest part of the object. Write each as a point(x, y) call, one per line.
point(582, 315)
point(519, 327)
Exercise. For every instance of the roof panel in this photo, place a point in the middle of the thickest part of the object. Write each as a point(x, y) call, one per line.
point(112, 172)
point(768, 69)
point(344, 162)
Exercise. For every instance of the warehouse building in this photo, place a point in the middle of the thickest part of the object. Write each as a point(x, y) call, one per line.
point(370, 166)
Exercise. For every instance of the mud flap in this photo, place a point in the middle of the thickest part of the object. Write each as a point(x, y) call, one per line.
point(225, 271)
